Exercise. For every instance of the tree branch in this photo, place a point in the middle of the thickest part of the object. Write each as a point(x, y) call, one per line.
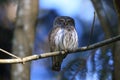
point(50, 54)
point(8, 53)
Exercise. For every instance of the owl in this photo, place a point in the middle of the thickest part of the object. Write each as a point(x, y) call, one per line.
point(63, 36)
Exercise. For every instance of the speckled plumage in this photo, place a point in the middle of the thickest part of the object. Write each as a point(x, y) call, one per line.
point(63, 36)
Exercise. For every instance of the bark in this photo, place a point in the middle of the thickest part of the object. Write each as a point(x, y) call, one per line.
point(116, 74)
point(24, 37)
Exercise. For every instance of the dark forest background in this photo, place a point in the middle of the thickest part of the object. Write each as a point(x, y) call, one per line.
point(24, 29)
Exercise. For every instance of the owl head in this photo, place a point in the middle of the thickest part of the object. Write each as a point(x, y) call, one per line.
point(63, 21)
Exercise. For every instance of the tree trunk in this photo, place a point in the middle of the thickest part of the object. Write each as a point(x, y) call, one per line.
point(24, 37)
point(102, 18)
point(116, 75)
point(107, 31)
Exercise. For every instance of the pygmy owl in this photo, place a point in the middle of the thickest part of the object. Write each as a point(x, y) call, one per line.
point(63, 36)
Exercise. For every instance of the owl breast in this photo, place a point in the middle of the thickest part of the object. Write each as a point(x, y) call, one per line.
point(66, 39)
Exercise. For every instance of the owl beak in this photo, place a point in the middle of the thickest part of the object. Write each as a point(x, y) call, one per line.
point(66, 24)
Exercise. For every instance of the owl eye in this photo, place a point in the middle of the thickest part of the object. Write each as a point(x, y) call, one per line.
point(62, 20)
point(69, 21)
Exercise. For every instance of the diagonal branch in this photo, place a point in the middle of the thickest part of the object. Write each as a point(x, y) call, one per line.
point(92, 29)
point(8, 53)
point(50, 54)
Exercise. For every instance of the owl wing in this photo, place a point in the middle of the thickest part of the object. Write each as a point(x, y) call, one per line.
point(52, 39)
point(56, 60)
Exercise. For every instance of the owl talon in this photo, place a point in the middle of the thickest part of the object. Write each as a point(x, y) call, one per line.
point(66, 51)
point(60, 52)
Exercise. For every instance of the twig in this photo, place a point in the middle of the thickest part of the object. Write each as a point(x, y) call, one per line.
point(91, 31)
point(50, 54)
point(9, 53)
point(105, 24)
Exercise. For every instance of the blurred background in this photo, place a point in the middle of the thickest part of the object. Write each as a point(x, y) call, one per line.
point(23, 22)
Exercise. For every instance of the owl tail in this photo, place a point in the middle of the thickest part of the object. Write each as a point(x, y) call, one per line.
point(56, 62)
